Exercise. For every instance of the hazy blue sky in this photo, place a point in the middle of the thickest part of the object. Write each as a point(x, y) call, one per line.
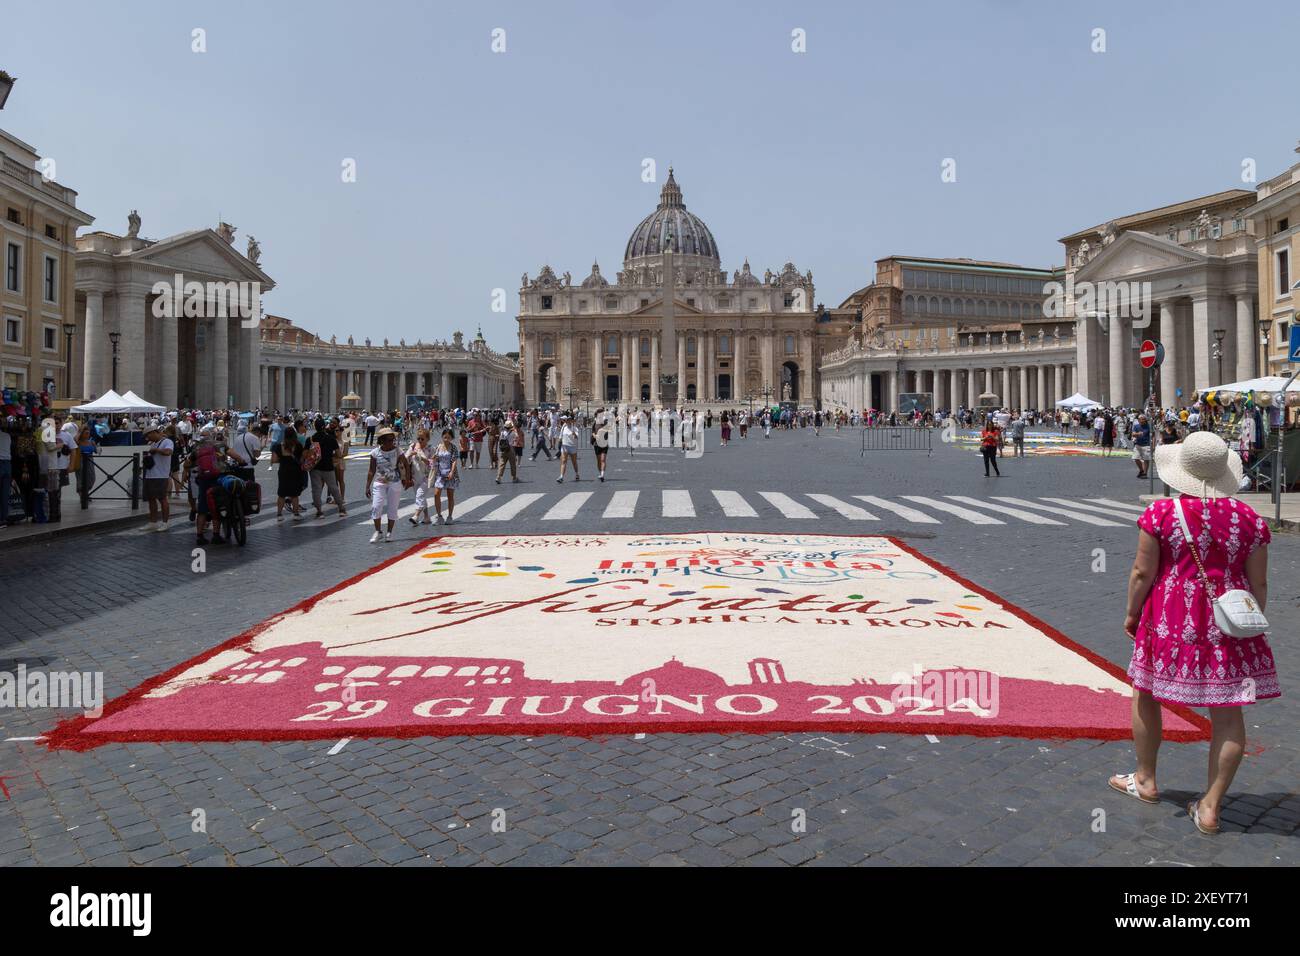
point(474, 167)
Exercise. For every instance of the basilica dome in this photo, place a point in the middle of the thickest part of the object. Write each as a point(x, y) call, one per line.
point(671, 223)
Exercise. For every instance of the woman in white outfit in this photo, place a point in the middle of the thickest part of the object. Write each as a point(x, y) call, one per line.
point(420, 459)
point(388, 474)
point(568, 448)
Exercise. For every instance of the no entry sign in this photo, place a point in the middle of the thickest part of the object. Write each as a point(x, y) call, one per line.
point(1152, 353)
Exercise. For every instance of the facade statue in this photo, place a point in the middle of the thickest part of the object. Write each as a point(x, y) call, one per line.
point(385, 341)
point(523, 282)
point(367, 341)
point(254, 251)
point(568, 280)
point(334, 340)
point(227, 232)
point(133, 225)
point(350, 342)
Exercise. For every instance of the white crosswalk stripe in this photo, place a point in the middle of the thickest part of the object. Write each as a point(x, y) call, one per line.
point(1082, 506)
point(1006, 510)
point(846, 510)
point(787, 505)
point(568, 506)
point(622, 505)
point(1121, 505)
point(734, 505)
point(512, 507)
point(678, 504)
point(1075, 515)
point(903, 511)
point(974, 517)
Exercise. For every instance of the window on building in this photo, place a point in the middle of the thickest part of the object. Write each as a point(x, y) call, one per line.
point(13, 330)
point(787, 300)
point(50, 338)
point(548, 347)
point(1284, 272)
point(1283, 225)
point(1216, 230)
point(13, 267)
point(546, 302)
point(15, 217)
point(582, 305)
point(611, 302)
point(690, 346)
point(753, 302)
point(789, 345)
point(51, 232)
point(724, 302)
point(691, 303)
point(724, 344)
point(1003, 287)
point(611, 345)
point(51, 279)
point(645, 347)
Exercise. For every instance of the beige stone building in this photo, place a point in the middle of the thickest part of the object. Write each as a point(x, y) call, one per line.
point(958, 330)
point(734, 336)
point(300, 370)
point(1276, 215)
point(1187, 276)
point(39, 219)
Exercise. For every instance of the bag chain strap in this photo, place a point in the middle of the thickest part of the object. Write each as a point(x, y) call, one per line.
point(1191, 543)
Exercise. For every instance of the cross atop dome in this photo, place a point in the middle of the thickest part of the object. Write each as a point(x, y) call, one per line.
point(670, 197)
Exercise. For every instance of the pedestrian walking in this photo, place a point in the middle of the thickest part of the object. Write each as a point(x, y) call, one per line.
point(989, 440)
point(419, 459)
point(384, 482)
point(505, 451)
point(1197, 554)
point(600, 441)
point(568, 449)
point(446, 477)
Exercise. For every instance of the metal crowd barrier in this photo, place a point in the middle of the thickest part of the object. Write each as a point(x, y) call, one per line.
point(897, 438)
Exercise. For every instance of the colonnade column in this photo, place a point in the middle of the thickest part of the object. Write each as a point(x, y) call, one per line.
point(1200, 342)
point(1116, 393)
point(131, 322)
point(1247, 353)
point(1059, 383)
point(92, 381)
point(220, 361)
point(654, 368)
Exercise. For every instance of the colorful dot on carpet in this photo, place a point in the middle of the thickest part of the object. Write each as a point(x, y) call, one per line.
point(532, 567)
point(490, 557)
point(969, 607)
point(493, 574)
point(439, 554)
point(920, 601)
point(771, 591)
point(708, 585)
point(436, 570)
point(855, 597)
point(679, 593)
point(584, 581)
point(950, 614)
point(546, 574)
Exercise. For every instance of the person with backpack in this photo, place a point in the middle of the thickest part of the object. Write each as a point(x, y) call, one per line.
point(205, 467)
point(389, 473)
point(323, 470)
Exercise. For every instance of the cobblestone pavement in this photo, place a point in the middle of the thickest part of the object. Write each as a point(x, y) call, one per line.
point(128, 603)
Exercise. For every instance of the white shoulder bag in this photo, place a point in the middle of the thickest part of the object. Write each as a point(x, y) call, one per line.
point(1236, 612)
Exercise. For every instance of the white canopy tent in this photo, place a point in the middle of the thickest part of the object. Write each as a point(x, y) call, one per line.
point(1078, 402)
point(110, 403)
point(140, 407)
point(1268, 383)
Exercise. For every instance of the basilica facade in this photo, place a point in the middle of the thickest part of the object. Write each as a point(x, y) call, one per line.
point(731, 338)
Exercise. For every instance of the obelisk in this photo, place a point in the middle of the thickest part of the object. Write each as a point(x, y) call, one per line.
point(668, 330)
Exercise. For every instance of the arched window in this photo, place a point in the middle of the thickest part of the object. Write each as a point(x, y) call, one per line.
point(924, 305)
point(909, 303)
point(947, 306)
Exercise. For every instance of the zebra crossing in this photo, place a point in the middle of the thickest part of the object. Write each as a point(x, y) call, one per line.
point(601, 505)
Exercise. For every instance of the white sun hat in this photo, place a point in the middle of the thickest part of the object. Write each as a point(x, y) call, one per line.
point(1202, 465)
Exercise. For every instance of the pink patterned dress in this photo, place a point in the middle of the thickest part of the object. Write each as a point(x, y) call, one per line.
point(1180, 656)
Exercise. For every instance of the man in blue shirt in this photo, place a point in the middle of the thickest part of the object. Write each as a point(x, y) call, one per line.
point(1142, 446)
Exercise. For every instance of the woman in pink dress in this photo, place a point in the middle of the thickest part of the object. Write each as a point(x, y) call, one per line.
point(1179, 655)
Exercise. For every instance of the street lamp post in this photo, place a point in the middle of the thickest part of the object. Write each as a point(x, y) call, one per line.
point(114, 337)
point(571, 391)
point(1264, 326)
point(1218, 350)
point(68, 330)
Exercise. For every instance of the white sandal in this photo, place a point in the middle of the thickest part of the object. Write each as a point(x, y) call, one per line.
point(1130, 787)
